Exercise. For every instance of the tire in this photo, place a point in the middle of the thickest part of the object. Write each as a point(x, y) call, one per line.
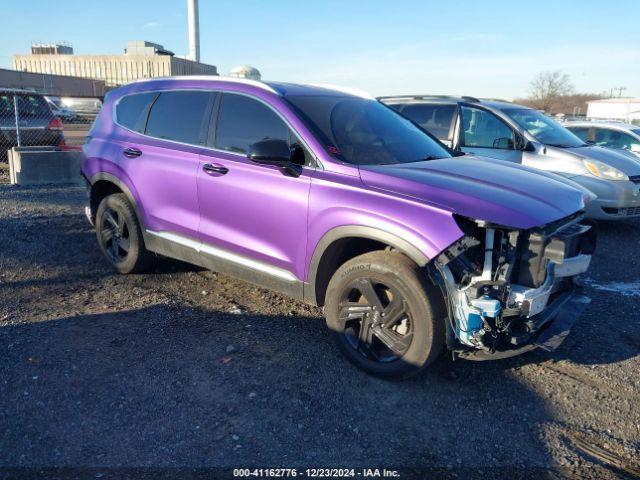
point(392, 285)
point(120, 237)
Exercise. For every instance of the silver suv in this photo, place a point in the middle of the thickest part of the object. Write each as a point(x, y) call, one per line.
point(514, 133)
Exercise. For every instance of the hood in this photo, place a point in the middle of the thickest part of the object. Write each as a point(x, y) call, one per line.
point(498, 192)
point(624, 161)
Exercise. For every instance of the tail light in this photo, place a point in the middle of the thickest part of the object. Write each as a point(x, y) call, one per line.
point(55, 124)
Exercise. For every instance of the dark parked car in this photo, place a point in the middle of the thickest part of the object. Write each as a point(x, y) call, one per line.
point(335, 199)
point(36, 123)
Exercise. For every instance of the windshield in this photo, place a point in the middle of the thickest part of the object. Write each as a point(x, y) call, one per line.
point(365, 132)
point(543, 128)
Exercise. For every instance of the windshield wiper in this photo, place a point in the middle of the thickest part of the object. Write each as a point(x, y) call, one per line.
point(559, 145)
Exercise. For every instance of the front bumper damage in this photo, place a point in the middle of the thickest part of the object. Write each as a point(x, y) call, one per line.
point(510, 291)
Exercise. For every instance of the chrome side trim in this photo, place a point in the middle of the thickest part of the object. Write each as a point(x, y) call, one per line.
point(200, 247)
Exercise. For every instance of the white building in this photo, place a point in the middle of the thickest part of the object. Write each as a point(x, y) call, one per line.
point(623, 109)
point(141, 60)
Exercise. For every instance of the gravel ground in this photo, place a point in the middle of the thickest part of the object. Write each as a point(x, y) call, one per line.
point(184, 368)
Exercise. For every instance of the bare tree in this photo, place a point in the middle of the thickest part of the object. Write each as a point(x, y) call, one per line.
point(549, 85)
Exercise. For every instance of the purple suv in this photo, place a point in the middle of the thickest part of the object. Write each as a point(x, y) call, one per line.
point(335, 199)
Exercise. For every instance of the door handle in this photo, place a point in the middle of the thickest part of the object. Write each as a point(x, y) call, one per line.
point(211, 169)
point(131, 152)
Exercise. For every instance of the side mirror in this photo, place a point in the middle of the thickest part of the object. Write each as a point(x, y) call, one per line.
point(275, 152)
point(270, 152)
point(524, 145)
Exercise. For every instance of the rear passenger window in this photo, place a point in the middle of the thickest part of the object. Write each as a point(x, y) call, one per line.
point(436, 119)
point(179, 116)
point(33, 106)
point(244, 121)
point(132, 110)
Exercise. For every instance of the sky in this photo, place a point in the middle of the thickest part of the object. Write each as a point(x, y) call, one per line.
point(481, 48)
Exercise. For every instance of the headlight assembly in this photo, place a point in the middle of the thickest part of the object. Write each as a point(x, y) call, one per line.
point(602, 170)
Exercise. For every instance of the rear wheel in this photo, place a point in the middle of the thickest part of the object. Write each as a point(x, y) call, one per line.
point(385, 314)
point(120, 236)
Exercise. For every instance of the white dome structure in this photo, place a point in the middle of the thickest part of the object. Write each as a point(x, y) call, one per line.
point(245, 71)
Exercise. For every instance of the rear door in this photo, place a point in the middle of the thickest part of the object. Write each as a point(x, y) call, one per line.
point(483, 133)
point(439, 119)
point(160, 154)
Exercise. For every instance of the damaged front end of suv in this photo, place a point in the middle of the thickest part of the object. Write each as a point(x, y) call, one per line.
point(511, 290)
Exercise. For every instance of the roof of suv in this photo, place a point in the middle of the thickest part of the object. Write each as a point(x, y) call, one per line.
point(277, 88)
point(489, 102)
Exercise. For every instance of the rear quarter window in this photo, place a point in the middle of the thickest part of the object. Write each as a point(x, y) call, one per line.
point(132, 110)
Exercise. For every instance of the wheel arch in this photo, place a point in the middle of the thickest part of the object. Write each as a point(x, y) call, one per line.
point(343, 243)
point(103, 184)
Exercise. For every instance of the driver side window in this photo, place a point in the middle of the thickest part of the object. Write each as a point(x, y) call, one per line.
point(243, 121)
point(483, 129)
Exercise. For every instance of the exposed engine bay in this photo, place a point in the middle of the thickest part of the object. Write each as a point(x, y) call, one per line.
point(503, 287)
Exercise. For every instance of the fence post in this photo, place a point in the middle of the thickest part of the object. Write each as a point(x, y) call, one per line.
point(17, 119)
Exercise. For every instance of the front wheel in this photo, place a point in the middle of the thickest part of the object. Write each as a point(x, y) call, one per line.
point(385, 314)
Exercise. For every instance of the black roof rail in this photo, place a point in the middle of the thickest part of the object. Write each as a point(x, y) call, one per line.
point(425, 97)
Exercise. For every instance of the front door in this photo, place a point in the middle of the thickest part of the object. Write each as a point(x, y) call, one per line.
point(483, 133)
point(252, 214)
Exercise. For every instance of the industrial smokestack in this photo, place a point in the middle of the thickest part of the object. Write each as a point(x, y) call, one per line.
point(194, 30)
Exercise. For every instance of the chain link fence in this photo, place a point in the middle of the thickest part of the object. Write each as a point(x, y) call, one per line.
point(30, 119)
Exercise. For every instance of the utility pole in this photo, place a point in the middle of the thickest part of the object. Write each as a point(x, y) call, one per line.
point(620, 90)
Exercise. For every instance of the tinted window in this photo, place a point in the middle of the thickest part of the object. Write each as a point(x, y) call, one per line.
point(437, 119)
point(363, 131)
point(6, 106)
point(33, 106)
point(581, 132)
point(132, 110)
point(244, 121)
point(483, 129)
point(179, 116)
point(614, 138)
